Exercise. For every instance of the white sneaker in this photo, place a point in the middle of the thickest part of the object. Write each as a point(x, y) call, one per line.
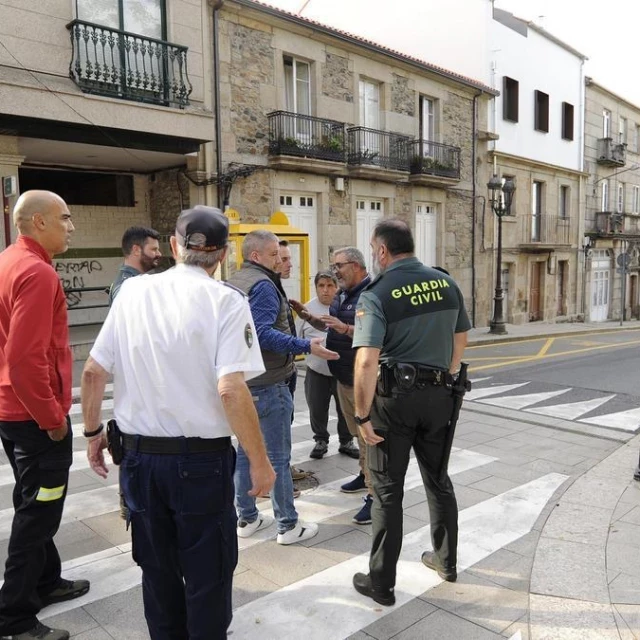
point(247, 529)
point(302, 531)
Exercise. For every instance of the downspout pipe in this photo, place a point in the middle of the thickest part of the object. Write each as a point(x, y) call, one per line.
point(474, 195)
point(217, 109)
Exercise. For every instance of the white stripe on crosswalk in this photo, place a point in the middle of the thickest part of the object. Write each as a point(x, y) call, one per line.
point(625, 420)
point(492, 391)
point(75, 392)
point(113, 570)
point(78, 506)
point(520, 402)
point(76, 409)
point(571, 410)
point(325, 606)
point(326, 501)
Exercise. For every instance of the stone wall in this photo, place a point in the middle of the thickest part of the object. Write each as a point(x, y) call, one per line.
point(403, 205)
point(403, 99)
point(252, 64)
point(251, 197)
point(457, 125)
point(168, 195)
point(337, 80)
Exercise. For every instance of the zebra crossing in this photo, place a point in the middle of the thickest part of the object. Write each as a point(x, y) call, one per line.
point(324, 601)
point(609, 410)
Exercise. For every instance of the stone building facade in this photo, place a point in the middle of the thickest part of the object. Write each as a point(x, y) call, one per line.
point(612, 218)
point(111, 135)
point(342, 132)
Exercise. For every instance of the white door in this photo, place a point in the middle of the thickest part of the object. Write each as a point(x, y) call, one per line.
point(368, 212)
point(300, 208)
point(426, 234)
point(599, 295)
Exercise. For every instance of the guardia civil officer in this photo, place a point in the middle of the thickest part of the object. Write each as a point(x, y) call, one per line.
point(412, 321)
point(180, 346)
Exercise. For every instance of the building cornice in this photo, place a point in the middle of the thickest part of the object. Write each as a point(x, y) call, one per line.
point(536, 163)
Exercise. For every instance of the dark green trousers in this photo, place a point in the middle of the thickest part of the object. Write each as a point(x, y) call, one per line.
point(418, 421)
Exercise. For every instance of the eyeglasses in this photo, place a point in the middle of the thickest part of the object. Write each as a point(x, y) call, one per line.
point(336, 266)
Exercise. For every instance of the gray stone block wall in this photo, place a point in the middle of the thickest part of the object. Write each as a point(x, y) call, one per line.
point(337, 79)
point(403, 98)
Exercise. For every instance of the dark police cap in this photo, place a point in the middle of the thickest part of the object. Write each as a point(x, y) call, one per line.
point(202, 228)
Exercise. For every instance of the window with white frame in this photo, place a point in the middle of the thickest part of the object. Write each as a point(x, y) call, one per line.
point(427, 119)
point(604, 202)
point(606, 123)
point(565, 194)
point(370, 104)
point(622, 130)
point(297, 85)
point(620, 203)
point(636, 199)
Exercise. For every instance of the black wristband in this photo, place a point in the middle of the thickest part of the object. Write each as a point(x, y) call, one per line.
point(90, 434)
point(359, 420)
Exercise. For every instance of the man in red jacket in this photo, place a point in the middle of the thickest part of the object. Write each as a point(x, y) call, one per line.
point(35, 398)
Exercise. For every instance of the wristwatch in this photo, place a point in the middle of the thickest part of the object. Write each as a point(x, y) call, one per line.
point(360, 421)
point(95, 432)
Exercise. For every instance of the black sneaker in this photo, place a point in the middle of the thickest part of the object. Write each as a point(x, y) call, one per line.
point(39, 632)
point(362, 584)
point(430, 560)
point(66, 590)
point(354, 486)
point(319, 450)
point(636, 475)
point(349, 449)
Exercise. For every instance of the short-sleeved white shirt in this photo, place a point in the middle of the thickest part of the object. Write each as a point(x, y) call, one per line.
point(168, 339)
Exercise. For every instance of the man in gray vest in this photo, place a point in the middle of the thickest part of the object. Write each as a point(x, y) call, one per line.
point(276, 334)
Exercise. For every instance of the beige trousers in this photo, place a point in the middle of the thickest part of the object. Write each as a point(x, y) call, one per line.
point(348, 406)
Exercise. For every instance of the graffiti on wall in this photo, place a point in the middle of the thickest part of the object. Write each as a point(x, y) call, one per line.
point(74, 275)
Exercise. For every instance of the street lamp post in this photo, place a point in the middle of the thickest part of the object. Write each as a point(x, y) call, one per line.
point(501, 200)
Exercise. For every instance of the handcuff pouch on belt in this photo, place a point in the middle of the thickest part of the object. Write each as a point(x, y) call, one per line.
point(114, 442)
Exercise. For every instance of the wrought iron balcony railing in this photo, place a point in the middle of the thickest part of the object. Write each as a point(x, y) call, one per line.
point(545, 229)
point(610, 223)
point(379, 148)
point(294, 134)
point(433, 158)
point(111, 62)
point(610, 153)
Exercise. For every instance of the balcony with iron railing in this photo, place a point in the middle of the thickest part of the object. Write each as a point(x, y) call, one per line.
point(433, 162)
point(377, 154)
point(611, 224)
point(297, 140)
point(111, 62)
point(611, 153)
point(544, 231)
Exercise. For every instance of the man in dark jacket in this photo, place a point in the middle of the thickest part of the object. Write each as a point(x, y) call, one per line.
point(35, 398)
point(270, 391)
point(351, 271)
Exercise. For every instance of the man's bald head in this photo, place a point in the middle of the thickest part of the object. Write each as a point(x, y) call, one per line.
point(32, 202)
point(44, 217)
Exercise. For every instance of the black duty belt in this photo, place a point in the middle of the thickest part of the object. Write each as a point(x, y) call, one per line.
point(175, 446)
point(407, 377)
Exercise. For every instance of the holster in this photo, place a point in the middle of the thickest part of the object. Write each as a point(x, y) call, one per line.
point(385, 381)
point(114, 442)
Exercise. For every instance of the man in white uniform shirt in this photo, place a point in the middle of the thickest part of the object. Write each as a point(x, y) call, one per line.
point(319, 384)
point(180, 346)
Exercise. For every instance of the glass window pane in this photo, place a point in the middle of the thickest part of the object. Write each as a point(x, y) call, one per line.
point(302, 71)
point(104, 12)
point(143, 17)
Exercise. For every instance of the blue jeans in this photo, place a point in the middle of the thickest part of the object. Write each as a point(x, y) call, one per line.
point(274, 406)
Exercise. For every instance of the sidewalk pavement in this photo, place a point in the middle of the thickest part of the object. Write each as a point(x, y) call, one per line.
point(576, 575)
point(82, 336)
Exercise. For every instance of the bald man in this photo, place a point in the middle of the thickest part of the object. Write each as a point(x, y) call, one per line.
point(35, 398)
